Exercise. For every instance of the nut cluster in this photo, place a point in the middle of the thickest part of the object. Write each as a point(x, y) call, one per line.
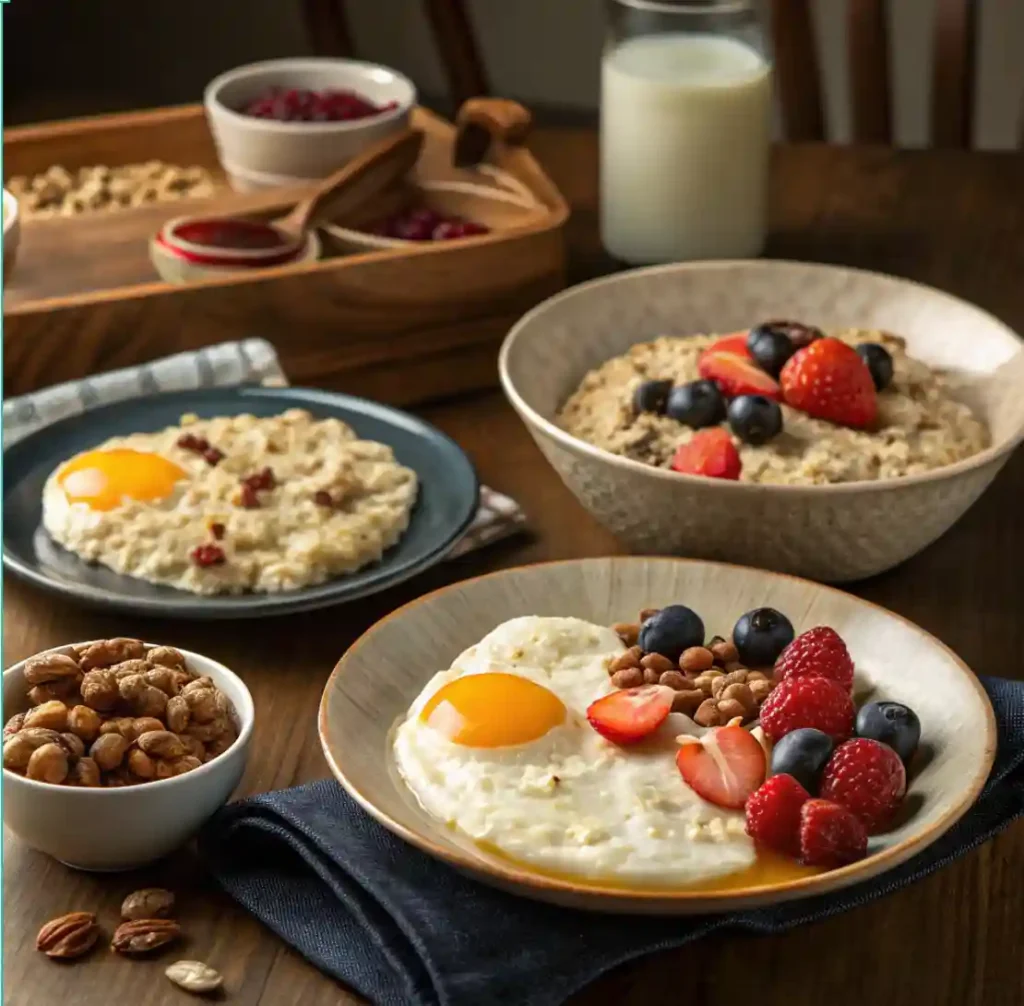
point(146, 926)
point(711, 685)
point(58, 192)
point(116, 714)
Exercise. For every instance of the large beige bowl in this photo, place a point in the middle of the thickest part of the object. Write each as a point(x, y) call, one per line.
point(376, 681)
point(832, 533)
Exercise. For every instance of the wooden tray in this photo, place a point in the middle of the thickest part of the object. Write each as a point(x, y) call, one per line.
point(399, 325)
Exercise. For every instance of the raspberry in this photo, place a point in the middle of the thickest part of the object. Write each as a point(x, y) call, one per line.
point(830, 835)
point(808, 702)
point(817, 652)
point(868, 779)
point(207, 555)
point(773, 814)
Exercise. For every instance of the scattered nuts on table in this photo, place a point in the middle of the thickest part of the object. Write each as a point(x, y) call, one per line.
point(68, 936)
point(147, 903)
point(194, 976)
point(58, 192)
point(128, 716)
point(142, 936)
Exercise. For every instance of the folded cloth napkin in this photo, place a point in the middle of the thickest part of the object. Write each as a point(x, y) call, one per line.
point(252, 361)
point(406, 930)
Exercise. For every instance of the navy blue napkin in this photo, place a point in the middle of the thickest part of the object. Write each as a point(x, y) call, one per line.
point(405, 930)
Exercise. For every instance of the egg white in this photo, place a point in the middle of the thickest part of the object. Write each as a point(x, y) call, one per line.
point(570, 801)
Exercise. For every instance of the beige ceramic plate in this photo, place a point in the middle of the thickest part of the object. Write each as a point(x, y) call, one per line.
point(382, 673)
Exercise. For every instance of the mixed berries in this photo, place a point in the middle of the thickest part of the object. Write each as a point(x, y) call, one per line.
point(744, 377)
point(298, 104)
point(425, 224)
point(825, 778)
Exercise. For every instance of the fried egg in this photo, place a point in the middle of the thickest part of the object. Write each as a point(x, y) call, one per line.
point(499, 748)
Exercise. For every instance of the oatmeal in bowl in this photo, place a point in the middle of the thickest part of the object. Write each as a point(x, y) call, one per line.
point(232, 504)
point(639, 386)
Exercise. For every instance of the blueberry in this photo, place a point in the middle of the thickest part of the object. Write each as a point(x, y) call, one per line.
point(891, 723)
point(697, 404)
point(802, 754)
point(650, 396)
point(755, 419)
point(771, 347)
point(879, 363)
point(671, 630)
point(761, 635)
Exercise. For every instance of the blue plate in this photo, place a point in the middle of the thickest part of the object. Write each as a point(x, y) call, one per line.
point(447, 501)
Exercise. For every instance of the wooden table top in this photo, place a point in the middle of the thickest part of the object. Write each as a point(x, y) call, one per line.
point(952, 219)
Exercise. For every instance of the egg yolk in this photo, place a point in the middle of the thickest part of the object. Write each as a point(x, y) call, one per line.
point(492, 710)
point(102, 479)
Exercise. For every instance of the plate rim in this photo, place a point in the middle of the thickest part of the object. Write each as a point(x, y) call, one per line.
point(261, 605)
point(591, 896)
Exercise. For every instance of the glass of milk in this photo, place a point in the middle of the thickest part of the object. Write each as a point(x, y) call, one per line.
point(686, 91)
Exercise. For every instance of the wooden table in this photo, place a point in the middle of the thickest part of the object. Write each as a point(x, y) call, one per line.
point(952, 219)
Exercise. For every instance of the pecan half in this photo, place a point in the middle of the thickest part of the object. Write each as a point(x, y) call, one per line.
point(147, 903)
point(69, 936)
point(141, 936)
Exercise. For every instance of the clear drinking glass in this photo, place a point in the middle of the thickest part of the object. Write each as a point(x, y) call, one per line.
point(686, 91)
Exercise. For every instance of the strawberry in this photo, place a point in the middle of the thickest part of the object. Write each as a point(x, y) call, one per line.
point(736, 374)
point(735, 343)
point(868, 779)
point(709, 452)
point(829, 380)
point(773, 814)
point(630, 715)
point(830, 835)
point(724, 767)
point(808, 702)
point(818, 652)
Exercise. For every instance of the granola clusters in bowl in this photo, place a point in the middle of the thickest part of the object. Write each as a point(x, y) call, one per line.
point(233, 504)
point(909, 423)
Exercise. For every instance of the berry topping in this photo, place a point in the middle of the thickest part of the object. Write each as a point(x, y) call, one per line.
point(671, 630)
point(808, 702)
point(879, 362)
point(829, 380)
point(891, 723)
point(263, 479)
point(818, 652)
point(213, 457)
point(761, 635)
point(217, 530)
point(736, 374)
point(803, 754)
point(248, 497)
point(449, 230)
point(650, 396)
point(755, 419)
point(298, 104)
point(630, 715)
point(735, 343)
point(696, 404)
point(830, 835)
point(773, 814)
point(207, 555)
point(425, 224)
point(799, 334)
point(868, 779)
point(724, 767)
point(771, 347)
point(709, 452)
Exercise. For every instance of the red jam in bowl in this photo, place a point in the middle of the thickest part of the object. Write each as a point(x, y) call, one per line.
point(238, 235)
point(297, 104)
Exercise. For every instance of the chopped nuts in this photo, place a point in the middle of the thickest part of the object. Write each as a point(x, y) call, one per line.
point(651, 676)
point(656, 662)
point(695, 659)
point(724, 651)
point(628, 632)
point(69, 936)
point(674, 680)
point(631, 658)
point(147, 903)
point(628, 677)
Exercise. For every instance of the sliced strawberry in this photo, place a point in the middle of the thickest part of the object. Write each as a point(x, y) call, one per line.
point(630, 715)
point(725, 767)
point(737, 374)
point(829, 380)
point(709, 452)
point(735, 343)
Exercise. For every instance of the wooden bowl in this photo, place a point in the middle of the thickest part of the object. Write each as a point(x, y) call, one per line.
point(829, 532)
point(376, 681)
point(500, 207)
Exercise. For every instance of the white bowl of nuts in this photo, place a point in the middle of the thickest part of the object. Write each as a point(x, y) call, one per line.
point(116, 750)
point(12, 232)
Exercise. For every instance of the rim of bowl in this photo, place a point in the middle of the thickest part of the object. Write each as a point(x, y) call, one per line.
point(308, 252)
point(523, 875)
point(289, 248)
point(211, 95)
point(246, 718)
point(581, 447)
point(11, 210)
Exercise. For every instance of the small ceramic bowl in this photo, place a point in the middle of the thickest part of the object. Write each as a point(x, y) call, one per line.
point(179, 261)
point(838, 532)
point(12, 232)
point(253, 150)
point(123, 828)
